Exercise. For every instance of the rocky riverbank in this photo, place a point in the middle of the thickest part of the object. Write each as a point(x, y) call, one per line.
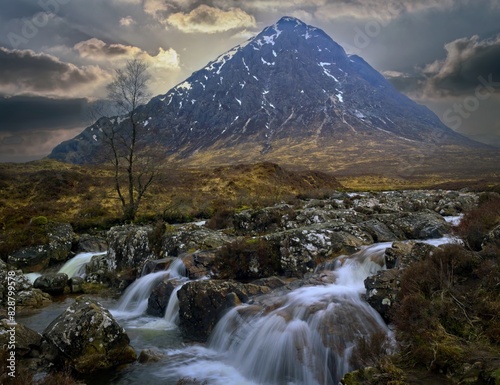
point(243, 256)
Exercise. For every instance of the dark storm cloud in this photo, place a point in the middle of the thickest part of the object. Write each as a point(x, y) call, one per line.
point(24, 71)
point(469, 63)
point(32, 126)
point(26, 113)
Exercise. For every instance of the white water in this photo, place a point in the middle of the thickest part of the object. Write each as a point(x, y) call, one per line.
point(76, 265)
point(134, 301)
point(305, 337)
point(32, 276)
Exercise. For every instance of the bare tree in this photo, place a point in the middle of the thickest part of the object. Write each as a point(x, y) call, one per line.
point(135, 165)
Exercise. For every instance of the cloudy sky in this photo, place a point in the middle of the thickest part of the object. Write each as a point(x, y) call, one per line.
point(56, 56)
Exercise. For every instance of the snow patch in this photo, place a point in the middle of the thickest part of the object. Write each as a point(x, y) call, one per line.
point(94, 137)
point(185, 85)
point(326, 71)
point(239, 101)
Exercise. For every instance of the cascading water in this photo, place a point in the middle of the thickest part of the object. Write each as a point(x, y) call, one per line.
point(76, 265)
point(134, 301)
point(308, 337)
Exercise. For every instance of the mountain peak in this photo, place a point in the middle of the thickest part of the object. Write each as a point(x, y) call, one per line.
point(290, 21)
point(288, 91)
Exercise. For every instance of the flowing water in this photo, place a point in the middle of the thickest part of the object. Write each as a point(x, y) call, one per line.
point(76, 265)
point(302, 337)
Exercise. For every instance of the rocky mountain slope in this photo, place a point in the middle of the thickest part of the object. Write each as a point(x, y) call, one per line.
point(290, 95)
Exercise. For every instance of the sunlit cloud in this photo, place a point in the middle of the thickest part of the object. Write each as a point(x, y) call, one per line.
point(127, 21)
point(28, 72)
point(206, 19)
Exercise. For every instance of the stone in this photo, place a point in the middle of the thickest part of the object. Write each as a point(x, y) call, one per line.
point(26, 339)
point(52, 283)
point(76, 285)
point(198, 264)
point(160, 296)
point(58, 249)
point(382, 290)
point(202, 304)
point(90, 244)
point(88, 338)
point(151, 355)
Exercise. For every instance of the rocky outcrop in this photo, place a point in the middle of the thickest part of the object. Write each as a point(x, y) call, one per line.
point(52, 283)
point(129, 246)
point(26, 297)
point(382, 288)
point(202, 304)
point(88, 339)
point(302, 249)
point(58, 249)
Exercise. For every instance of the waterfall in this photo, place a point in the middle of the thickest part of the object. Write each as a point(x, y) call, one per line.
point(306, 337)
point(134, 301)
point(172, 310)
point(76, 265)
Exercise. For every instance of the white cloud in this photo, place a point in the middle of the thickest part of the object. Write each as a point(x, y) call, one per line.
point(206, 19)
point(127, 21)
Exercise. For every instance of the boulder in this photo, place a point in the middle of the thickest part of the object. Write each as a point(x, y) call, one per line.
point(151, 355)
point(58, 249)
point(27, 298)
point(198, 264)
point(191, 237)
point(152, 266)
point(90, 244)
point(382, 289)
point(76, 285)
point(423, 224)
point(203, 303)
point(378, 231)
point(129, 246)
point(302, 249)
point(26, 340)
point(160, 296)
point(88, 339)
point(52, 283)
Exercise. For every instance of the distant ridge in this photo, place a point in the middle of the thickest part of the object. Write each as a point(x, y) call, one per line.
point(292, 95)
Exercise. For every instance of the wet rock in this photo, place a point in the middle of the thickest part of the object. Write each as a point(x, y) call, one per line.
point(101, 270)
point(151, 355)
point(402, 254)
point(302, 249)
point(159, 297)
point(191, 237)
point(58, 249)
point(415, 225)
point(76, 285)
point(52, 283)
point(382, 290)
point(152, 266)
point(198, 264)
point(129, 247)
point(88, 339)
point(27, 298)
point(89, 244)
point(202, 304)
point(378, 231)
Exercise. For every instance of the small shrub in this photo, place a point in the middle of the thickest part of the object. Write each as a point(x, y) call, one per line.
point(477, 222)
point(370, 351)
point(156, 237)
point(221, 219)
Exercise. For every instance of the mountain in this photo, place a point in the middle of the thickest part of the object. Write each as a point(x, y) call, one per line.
point(290, 95)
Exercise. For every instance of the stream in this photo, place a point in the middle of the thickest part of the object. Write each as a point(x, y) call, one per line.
point(304, 336)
